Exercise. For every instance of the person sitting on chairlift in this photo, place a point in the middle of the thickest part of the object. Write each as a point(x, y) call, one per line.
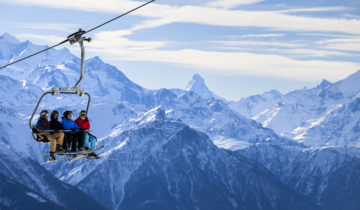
point(83, 122)
point(56, 139)
point(56, 125)
point(76, 137)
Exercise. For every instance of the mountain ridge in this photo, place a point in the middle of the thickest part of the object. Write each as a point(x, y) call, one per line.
point(169, 134)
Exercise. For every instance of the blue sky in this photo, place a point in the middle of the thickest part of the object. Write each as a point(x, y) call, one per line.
point(240, 47)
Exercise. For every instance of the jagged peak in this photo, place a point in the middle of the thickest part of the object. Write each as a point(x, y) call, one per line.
point(197, 85)
point(273, 92)
point(157, 113)
point(9, 38)
point(95, 59)
point(325, 83)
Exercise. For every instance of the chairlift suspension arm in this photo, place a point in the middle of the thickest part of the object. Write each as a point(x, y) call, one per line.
point(82, 63)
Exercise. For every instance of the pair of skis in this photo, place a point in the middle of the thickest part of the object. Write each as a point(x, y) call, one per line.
point(73, 156)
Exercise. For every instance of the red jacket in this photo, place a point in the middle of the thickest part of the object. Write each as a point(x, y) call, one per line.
point(84, 124)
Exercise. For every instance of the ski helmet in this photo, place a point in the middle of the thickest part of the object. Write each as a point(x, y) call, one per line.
point(66, 113)
point(43, 113)
point(53, 113)
point(82, 112)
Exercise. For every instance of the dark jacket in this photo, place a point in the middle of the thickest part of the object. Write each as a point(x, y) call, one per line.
point(55, 124)
point(43, 124)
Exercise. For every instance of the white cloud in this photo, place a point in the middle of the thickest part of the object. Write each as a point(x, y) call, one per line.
point(316, 9)
point(115, 45)
point(264, 19)
point(114, 40)
point(41, 39)
point(44, 26)
point(308, 53)
point(152, 23)
point(210, 16)
point(257, 35)
point(347, 44)
point(226, 63)
point(237, 63)
point(113, 6)
point(257, 44)
point(327, 35)
point(228, 4)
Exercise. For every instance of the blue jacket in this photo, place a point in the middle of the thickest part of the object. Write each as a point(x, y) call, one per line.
point(69, 124)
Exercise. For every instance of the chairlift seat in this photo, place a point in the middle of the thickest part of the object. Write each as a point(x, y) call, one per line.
point(40, 138)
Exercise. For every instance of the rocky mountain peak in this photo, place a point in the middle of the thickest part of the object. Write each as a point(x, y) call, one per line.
point(325, 84)
point(197, 85)
point(8, 38)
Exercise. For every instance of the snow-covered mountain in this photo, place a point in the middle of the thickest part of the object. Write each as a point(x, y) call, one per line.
point(253, 105)
point(295, 114)
point(340, 127)
point(328, 176)
point(197, 85)
point(27, 185)
point(164, 164)
point(12, 49)
point(164, 140)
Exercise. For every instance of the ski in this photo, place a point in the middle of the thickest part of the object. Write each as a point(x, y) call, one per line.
point(82, 154)
point(68, 153)
point(58, 160)
point(101, 158)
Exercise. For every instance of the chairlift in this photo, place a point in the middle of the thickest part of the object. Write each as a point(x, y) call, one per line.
point(40, 136)
point(77, 37)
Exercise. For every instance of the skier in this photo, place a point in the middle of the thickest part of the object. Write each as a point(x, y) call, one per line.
point(83, 122)
point(56, 125)
point(56, 139)
point(75, 138)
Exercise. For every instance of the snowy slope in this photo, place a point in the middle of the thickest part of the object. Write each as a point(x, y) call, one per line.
point(297, 112)
point(164, 164)
point(340, 127)
point(328, 176)
point(35, 184)
point(11, 49)
point(253, 105)
point(13, 195)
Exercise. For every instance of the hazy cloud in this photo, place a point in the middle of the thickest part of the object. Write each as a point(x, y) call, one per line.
point(228, 4)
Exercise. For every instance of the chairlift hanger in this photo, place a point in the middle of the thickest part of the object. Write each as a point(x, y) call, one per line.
point(77, 37)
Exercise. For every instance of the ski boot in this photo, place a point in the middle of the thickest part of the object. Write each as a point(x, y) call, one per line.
point(93, 156)
point(52, 157)
point(59, 149)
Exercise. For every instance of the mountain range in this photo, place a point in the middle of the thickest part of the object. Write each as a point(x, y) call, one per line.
point(179, 148)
